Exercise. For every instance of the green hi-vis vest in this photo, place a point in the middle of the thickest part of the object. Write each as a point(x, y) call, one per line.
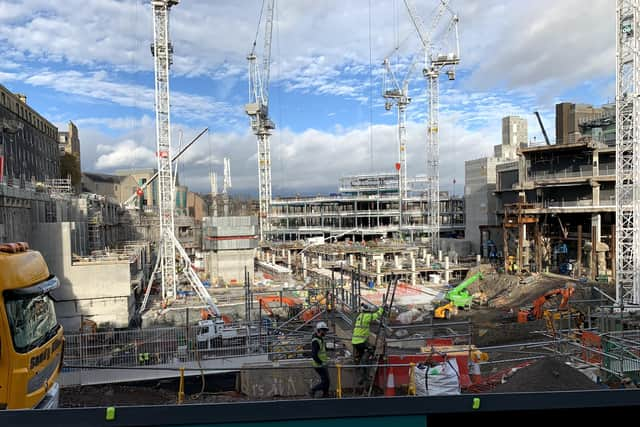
point(361, 329)
point(322, 352)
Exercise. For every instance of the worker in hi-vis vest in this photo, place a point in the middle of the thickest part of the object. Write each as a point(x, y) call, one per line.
point(320, 359)
point(361, 329)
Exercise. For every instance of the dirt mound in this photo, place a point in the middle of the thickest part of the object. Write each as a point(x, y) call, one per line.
point(114, 395)
point(546, 375)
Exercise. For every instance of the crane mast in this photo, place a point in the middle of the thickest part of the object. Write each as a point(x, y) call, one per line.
point(434, 64)
point(627, 153)
point(397, 93)
point(162, 52)
point(169, 248)
point(258, 111)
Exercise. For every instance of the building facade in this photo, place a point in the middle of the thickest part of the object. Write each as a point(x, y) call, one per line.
point(366, 207)
point(569, 116)
point(567, 193)
point(480, 181)
point(28, 142)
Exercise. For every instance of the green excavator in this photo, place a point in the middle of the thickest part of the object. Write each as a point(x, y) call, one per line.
point(458, 297)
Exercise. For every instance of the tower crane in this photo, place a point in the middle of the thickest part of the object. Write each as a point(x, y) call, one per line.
point(397, 93)
point(435, 63)
point(258, 111)
point(627, 153)
point(162, 51)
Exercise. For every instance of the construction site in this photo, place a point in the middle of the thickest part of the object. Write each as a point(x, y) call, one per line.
point(526, 283)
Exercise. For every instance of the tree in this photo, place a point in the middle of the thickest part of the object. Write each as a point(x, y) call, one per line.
point(70, 166)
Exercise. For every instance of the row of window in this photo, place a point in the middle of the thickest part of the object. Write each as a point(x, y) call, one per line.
point(19, 108)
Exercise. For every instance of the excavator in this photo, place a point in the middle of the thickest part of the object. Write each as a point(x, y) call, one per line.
point(458, 298)
point(295, 306)
point(537, 311)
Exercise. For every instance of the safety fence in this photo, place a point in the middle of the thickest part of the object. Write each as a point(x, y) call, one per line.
point(176, 345)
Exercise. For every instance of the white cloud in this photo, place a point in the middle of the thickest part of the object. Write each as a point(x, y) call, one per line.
point(125, 154)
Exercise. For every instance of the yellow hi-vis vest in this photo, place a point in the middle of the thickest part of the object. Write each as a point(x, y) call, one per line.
point(361, 328)
point(322, 352)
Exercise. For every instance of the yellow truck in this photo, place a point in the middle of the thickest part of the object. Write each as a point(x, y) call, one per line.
point(31, 341)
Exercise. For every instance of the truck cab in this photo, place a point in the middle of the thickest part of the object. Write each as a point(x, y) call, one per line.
point(31, 339)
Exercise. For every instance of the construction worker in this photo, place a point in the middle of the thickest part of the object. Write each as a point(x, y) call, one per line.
point(361, 330)
point(143, 358)
point(320, 359)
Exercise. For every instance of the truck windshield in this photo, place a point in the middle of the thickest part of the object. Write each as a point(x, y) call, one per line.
point(32, 319)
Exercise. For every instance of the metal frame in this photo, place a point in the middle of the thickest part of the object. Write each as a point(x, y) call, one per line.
point(627, 154)
point(162, 51)
point(258, 111)
point(434, 65)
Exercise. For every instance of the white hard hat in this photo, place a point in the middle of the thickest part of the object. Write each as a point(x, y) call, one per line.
point(321, 325)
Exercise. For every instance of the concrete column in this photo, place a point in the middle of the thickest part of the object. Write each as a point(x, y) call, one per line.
point(596, 161)
point(424, 254)
point(396, 260)
point(363, 259)
point(413, 270)
point(596, 223)
point(446, 269)
point(289, 259)
point(595, 194)
point(478, 260)
point(428, 260)
point(273, 258)
point(351, 260)
point(440, 256)
point(304, 266)
point(319, 261)
point(378, 266)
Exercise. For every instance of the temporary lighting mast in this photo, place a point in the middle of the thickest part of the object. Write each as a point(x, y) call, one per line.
point(627, 153)
point(258, 111)
point(435, 63)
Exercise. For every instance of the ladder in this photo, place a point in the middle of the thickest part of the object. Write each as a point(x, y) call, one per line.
point(379, 349)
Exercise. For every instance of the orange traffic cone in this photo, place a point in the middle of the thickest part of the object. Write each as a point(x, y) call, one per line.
point(390, 390)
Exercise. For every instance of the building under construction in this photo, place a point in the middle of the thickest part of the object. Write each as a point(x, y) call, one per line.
point(366, 207)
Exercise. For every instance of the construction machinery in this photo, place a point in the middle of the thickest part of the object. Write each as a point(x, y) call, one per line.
point(458, 298)
point(435, 62)
point(31, 339)
point(544, 131)
point(293, 306)
point(537, 311)
point(258, 111)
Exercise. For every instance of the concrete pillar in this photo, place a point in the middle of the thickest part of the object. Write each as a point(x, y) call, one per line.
point(363, 259)
point(596, 223)
point(478, 260)
point(351, 260)
point(440, 256)
point(424, 254)
point(289, 259)
point(304, 266)
point(428, 260)
point(595, 193)
point(413, 270)
point(378, 266)
point(273, 258)
point(396, 260)
point(446, 269)
point(595, 159)
point(319, 261)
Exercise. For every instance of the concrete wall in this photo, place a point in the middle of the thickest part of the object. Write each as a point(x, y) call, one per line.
point(100, 291)
point(480, 203)
point(229, 264)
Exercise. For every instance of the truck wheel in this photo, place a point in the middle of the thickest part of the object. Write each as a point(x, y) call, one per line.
point(447, 314)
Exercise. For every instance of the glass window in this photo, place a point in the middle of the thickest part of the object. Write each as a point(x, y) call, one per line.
point(32, 320)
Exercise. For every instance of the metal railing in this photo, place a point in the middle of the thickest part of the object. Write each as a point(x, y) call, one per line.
point(168, 346)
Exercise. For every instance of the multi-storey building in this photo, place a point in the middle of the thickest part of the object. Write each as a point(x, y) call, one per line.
point(567, 193)
point(366, 207)
point(28, 142)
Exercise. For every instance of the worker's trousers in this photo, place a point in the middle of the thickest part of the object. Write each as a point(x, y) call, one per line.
point(323, 385)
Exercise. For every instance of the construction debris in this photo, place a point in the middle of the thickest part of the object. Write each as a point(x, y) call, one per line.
point(547, 374)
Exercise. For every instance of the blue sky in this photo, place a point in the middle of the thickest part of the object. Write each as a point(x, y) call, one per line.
point(89, 61)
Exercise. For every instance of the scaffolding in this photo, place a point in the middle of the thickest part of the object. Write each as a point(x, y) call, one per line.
point(627, 154)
